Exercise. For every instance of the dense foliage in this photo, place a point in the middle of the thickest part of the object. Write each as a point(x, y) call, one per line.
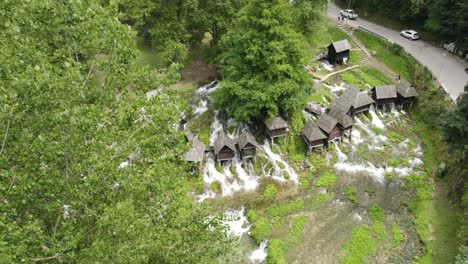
point(448, 18)
point(262, 69)
point(90, 169)
point(174, 26)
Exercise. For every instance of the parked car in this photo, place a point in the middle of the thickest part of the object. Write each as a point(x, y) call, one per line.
point(349, 14)
point(410, 34)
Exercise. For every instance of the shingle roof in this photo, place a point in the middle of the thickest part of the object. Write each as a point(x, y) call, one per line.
point(246, 138)
point(363, 99)
point(352, 96)
point(276, 123)
point(326, 122)
point(385, 91)
point(405, 89)
point(223, 141)
point(312, 132)
point(189, 135)
point(343, 119)
point(341, 45)
point(195, 154)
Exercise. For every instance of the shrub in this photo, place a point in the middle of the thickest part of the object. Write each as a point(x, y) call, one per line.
point(395, 137)
point(270, 191)
point(376, 213)
point(395, 48)
point(275, 253)
point(252, 216)
point(397, 235)
point(260, 230)
point(351, 194)
point(326, 180)
point(216, 187)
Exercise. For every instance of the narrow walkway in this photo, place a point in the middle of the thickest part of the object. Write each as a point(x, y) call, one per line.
point(336, 72)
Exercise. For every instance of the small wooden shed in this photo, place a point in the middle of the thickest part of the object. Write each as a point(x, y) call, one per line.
point(276, 127)
point(406, 94)
point(247, 145)
point(338, 51)
point(352, 102)
point(384, 95)
point(313, 136)
point(224, 148)
point(196, 153)
point(329, 126)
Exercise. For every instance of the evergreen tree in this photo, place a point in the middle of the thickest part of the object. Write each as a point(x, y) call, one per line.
point(262, 69)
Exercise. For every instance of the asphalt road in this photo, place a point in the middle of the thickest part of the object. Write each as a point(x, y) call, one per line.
point(447, 68)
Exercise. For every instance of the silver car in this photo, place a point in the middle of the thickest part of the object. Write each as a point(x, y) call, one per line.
point(348, 13)
point(410, 34)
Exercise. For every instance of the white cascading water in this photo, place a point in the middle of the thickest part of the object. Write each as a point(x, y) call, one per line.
point(207, 89)
point(259, 255)
point(201, 108)
point(337, 87)
point(375, 119)
point(341, 156)
point(278, 173)
point(245, 178)
point(237, 222)
point(327, 66)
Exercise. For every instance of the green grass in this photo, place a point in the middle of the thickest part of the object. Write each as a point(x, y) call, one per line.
point(296, 148)
point(398, 62)
point(395, 137)
point(215, 187)
point(397, 236)
point(351, 194)
point(326, 180)
point(275, 252)
point(365, 240)
point(285, 209)
point(364, 75)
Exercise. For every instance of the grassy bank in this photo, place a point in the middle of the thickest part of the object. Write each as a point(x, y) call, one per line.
point(436, 220)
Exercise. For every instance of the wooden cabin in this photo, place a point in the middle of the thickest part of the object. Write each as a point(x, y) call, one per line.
point(329, 126)
point(384, 95)
point(344, 120)
point(247, 145)
point(338, 51)
point(352, 102)
point(313, 136)
point(197, 152)
point(276, 127)
point(189, 136)
point(224, 148)
point(406, 94)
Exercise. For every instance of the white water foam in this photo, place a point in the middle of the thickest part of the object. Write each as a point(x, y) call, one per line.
point(237, 222)
point(201, 108)
point(375, 119)
point(341, 156)
point(278, 173)
point(259, 255)
point(327, 66)
point(336, 88)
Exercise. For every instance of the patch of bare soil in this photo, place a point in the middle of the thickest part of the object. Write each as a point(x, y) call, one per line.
point(196, 72)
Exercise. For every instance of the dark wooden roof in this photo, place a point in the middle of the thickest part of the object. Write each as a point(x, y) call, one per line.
point(224, 141)
point(405, 89)
point(195, 154)
point(343, 119)
point(246, 138)
point(276, 123)
point(312, 132)
point(326, 122)
point(341, 45)
point(351, 97)
point(385, 92)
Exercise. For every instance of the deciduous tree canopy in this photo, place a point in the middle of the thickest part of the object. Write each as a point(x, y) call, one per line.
point(262, 69)
point(78, 142)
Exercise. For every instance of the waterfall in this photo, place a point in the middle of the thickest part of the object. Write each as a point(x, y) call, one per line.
point(375, 119)
point(259, 255)
point(237, 222)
